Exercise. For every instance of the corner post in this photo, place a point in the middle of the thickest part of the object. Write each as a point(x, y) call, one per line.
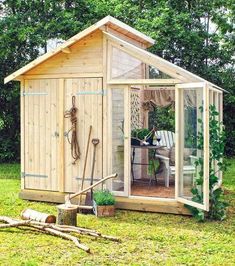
point(22, 132)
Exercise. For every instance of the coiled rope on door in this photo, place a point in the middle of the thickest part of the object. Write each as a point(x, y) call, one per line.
point(72, 114)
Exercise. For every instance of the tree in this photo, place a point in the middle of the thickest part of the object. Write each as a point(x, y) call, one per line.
point(25, 28)
point(196, 35)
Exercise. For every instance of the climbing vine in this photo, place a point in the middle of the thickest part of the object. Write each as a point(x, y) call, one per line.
point(218, 207)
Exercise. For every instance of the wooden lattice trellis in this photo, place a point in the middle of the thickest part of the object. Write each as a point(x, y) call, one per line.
point(135, 109)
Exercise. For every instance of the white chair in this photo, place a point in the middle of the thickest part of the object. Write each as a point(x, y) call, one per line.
point(168, 140)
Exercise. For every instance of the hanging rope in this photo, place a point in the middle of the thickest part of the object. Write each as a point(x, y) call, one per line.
point(75, 150)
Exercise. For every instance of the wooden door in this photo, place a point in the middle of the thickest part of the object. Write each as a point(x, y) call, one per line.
point(89, 102)
point(41, 134)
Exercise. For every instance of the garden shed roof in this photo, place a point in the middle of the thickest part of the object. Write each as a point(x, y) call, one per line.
point(113, 23)
point(118, 26)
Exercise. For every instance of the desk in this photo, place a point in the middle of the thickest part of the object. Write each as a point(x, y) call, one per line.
point(153, 157)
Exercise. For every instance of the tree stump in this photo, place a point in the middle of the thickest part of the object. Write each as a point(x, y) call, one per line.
point(67, 215)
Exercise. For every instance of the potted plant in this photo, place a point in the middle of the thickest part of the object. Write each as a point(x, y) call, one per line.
point(138, 135)
point(103, 203)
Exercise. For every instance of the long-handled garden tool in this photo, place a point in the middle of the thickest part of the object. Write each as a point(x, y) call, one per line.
point(67, 205)
point(85, 162)
point(89, 195)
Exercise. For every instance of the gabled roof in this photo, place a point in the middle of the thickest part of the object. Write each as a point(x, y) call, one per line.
point(113, 23)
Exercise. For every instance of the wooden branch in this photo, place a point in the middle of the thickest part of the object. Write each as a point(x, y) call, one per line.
point(86, 232)
point(8, 220)
point(79, 230)
point(55, 230)
point(14, 224)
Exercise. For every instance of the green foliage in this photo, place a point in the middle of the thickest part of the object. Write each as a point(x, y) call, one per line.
point(25, 28)
point(183, 31)
point(163, 118)
point(190, 131)
point(103, 197)
point(153, 164)
point(217, 208)
point(140, 133)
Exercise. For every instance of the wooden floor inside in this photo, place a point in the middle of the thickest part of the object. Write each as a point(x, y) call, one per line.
point(155, 189)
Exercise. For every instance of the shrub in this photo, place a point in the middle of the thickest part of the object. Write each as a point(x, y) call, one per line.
point(103, 197)
point(140, 133)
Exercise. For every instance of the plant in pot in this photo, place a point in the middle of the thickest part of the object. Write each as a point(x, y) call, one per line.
point(138, 135)
point(103, 203)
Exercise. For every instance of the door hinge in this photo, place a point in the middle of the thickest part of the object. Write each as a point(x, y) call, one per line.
point(23, 174)
point(100, 92)
point(34, 93)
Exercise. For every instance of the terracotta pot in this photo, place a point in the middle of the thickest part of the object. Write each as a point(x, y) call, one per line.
point(101, 211)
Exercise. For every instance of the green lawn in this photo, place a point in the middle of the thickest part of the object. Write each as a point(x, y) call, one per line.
point(147, 238)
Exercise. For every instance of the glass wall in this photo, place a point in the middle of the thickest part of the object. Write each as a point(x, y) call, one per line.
point(118, 139)
point(192, 146)
point(216, 131)
point(125, 66)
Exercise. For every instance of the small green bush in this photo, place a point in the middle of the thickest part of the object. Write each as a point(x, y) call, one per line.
point(140, 133)
point(103, 197)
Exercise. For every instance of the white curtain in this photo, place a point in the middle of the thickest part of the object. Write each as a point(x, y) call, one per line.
point(165, 97)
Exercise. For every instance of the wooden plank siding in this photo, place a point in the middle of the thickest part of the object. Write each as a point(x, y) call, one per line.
point(85, 56)
point(90, 107)
point(41, 139)
point(60, 117)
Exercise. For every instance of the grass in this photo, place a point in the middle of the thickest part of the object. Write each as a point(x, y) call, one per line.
point(147, 238)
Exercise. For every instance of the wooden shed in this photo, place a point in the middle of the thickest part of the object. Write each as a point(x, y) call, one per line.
point(117, 85)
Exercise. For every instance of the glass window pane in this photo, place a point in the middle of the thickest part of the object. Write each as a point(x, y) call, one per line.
point(125, 66)
point(118, 139)
point(155, 73)
point(191, 161)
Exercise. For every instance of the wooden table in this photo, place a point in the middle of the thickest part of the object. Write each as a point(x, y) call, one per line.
point(146, 147)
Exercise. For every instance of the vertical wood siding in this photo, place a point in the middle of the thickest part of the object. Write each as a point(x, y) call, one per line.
point(89, 113)
point(85, 56)
point(41, 134)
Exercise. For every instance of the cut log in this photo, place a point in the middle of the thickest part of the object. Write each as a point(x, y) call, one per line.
point(67, 215)
point(30, 214)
